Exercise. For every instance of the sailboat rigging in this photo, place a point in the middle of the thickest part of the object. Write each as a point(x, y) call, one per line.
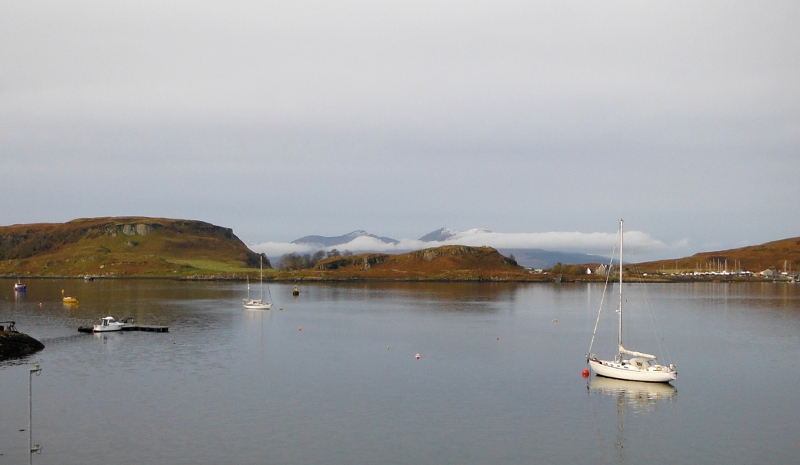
point(629, 364)
point(257, 304)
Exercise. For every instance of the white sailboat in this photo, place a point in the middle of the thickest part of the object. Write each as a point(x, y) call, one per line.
point(257, 304)
point(628, 364)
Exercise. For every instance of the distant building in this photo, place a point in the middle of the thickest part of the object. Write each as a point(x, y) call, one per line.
point(604, 270)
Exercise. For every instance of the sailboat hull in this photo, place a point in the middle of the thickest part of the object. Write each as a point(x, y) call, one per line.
point(257, 305)
point(629, 373)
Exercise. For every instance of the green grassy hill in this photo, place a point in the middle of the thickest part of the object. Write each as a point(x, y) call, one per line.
point(124, 247)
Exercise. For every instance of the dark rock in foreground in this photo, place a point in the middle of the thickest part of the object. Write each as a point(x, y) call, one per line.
point(16, 345)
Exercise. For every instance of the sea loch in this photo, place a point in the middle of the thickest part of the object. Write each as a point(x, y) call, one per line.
point(333, 377)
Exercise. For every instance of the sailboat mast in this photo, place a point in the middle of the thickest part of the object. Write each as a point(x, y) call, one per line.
point(619, 336)
point(261, 259)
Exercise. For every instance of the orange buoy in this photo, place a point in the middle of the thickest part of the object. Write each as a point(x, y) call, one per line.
point(585, 372)
point(300, 329)
point(417, 356)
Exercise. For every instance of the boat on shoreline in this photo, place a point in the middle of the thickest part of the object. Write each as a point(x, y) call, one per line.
point(628, 365)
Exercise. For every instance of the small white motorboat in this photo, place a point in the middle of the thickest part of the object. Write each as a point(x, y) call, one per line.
point(110, 324)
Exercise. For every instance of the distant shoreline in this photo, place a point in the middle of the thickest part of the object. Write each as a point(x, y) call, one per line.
point(538, 279)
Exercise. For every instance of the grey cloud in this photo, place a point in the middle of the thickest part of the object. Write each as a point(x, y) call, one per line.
point(681, 116)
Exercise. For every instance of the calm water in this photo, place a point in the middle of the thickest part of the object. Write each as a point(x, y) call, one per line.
point(498, 381)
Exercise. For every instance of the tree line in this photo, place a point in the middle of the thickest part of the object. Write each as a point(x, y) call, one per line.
point(294, 261)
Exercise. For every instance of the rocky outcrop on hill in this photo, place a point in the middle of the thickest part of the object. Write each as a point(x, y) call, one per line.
point(123, 247)
point(473, 256)
point(24, 241)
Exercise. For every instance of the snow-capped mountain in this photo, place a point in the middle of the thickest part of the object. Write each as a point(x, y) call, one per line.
point(441, 234)
point(527, 248)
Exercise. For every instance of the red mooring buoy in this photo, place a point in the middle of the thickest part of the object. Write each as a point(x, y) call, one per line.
point(585, 372)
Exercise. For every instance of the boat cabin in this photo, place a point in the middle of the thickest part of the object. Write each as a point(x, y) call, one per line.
point(641, 363)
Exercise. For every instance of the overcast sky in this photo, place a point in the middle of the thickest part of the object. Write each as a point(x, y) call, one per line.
point(284, 119)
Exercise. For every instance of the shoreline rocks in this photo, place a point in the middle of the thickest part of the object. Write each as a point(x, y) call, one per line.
point(15, 345)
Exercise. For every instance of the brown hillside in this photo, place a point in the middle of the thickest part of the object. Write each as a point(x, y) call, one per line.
point(775, 255)
point(121, 246)
point(440, 263)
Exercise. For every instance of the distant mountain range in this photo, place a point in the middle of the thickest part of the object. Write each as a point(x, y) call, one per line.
point(544, 259)
point(531, 258)
point(340, 240)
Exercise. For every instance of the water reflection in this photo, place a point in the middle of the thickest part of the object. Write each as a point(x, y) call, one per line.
point(631, 397)
point(639, 396)
point(470, 292)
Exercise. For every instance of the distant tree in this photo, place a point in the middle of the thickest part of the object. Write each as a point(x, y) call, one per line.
point(348, 253)
point(317, 257)
point(251, 261)
point(290, 261)
point(333, 253)
point(294, 261)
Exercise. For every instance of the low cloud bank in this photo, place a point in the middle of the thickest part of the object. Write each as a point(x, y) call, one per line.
point(590, 243)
